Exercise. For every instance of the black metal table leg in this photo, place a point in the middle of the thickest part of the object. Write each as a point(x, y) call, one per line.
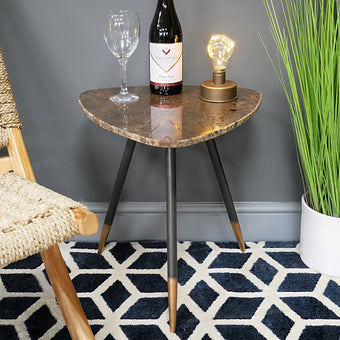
point(228, 201)
point(117, 190)
point(171, 209)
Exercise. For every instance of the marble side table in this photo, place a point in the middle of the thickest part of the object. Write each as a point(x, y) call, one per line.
point(169, 122)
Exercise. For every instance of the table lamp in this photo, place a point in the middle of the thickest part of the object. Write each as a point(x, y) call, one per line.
point(219, 90)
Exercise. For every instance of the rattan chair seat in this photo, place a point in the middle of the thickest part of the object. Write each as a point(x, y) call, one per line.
point(32, 218)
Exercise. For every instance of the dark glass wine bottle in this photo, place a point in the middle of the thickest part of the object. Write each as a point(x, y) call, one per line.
point(165, 50)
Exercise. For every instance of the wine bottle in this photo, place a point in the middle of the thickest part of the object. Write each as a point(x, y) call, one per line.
point(165, 50)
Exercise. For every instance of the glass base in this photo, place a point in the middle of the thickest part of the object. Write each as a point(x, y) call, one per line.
point(124, 98)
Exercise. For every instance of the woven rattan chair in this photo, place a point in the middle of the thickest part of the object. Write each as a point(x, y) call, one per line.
point(34, 219)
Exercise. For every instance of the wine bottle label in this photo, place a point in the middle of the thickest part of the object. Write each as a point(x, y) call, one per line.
point(166, 64)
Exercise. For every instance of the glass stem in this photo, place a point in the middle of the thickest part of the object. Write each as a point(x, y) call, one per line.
point(123, 88)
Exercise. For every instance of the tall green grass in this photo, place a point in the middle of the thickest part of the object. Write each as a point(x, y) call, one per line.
point(306, 34)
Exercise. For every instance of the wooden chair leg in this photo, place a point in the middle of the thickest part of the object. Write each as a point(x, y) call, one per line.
point(66, 295)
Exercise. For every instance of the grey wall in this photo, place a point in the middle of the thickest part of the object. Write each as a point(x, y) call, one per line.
point(55, 50)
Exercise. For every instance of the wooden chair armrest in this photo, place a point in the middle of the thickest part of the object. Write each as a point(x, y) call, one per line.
point(87, 221)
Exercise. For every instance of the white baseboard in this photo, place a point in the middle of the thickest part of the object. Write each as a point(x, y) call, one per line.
point(260, 221)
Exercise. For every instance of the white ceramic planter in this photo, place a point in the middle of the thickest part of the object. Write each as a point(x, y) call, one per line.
point(320, 241)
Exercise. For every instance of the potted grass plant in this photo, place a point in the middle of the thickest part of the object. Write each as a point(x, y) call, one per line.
point(306, 34)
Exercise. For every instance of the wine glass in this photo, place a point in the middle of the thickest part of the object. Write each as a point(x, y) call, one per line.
point(121, 34)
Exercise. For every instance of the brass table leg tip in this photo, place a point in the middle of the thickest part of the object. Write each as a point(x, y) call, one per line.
point(238, 235)
point(172, 298)
point(103, 237)
point(101, 246)
point(242, 247)
point(173, 328)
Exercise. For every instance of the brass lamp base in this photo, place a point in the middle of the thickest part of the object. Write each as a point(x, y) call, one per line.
point(211, 92)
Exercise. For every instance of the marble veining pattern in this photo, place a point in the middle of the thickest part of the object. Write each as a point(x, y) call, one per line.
point(172, 121)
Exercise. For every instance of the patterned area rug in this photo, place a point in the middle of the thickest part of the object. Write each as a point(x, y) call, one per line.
point(265, 293)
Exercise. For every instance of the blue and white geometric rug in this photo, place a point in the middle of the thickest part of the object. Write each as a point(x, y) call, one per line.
point(265, 293)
